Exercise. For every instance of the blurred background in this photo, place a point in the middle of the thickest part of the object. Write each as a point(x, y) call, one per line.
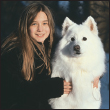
point(78, 11)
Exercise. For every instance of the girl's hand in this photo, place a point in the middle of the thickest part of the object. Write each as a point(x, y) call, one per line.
point(67, 87)
point(95, 83)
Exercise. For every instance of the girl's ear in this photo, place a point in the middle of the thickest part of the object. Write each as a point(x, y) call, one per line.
point(67, 22)
point(90, 22)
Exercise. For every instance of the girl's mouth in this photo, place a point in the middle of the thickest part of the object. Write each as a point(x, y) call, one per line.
point(40, 35)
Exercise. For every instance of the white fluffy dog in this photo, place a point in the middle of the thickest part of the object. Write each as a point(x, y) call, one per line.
point(79, 58)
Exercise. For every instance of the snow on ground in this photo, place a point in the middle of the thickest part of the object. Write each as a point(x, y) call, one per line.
point(105, 86)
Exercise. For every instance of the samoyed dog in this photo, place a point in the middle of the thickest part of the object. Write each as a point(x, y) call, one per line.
point(79, 58)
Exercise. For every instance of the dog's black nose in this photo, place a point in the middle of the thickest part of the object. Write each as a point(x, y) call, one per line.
point(76, 47)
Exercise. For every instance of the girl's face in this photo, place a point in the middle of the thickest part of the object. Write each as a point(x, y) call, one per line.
point(39, 29)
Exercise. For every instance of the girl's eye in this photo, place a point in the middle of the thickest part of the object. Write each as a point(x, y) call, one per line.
point(84, 38)
point(44, 23)
point(72, 39)
point(34, 24)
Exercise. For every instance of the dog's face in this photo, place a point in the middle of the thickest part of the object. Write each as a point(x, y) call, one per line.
point(78, 38)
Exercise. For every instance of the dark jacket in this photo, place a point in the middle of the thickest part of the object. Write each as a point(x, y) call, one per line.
point(17, 93)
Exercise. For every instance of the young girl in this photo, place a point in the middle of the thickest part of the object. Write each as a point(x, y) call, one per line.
point(25, 62)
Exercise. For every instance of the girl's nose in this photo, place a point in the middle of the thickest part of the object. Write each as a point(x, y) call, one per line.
point(39, 28)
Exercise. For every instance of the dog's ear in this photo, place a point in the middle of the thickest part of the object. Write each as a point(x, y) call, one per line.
point(90, 22)
point(67, 22)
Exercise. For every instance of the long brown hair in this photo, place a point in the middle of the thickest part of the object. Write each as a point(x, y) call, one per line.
point(27, 43)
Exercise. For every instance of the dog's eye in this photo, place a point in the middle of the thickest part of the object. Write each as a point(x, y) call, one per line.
point(84, 38)
point(72, 39)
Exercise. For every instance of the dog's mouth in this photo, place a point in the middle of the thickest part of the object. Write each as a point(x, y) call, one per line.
point(78, 52)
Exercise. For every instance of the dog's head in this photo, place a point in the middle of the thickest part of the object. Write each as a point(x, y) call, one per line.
point(78, 39)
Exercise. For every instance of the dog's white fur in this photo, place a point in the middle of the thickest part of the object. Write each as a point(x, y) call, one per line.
point(80, 69)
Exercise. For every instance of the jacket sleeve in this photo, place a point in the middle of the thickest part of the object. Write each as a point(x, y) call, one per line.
point(14, 86)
